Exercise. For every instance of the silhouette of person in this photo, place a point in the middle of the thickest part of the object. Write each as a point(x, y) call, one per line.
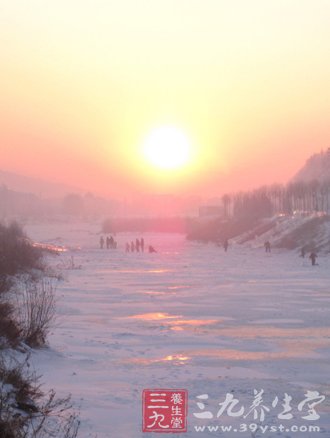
point(108, 242)
point(313, 256)
point(137, 245)
point(132, 247)
point(151, 249)
point(225, 245)
point(267, 246)
point(101, 242)
point(302, 252)
point(111, 242)
point(127, 247)
point(142, 244)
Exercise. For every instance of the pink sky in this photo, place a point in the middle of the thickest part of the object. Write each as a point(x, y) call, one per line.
point(83, 83)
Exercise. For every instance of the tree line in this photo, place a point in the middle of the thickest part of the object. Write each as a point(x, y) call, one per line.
point(303, 197)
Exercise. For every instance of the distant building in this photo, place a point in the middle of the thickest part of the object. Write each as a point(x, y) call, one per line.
point(210, 211)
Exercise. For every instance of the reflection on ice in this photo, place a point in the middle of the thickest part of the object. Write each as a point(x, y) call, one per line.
point(50, 247)
point(177, 287)
point(156, 316)
point(183, 324)
point(174, 322)
point(158, 271)
point(175, 359)
point(170, 290)
point(287, 349)
point(158, 293)
point(139, 271)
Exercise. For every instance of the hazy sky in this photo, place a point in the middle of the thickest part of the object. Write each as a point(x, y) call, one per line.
point(83, 82)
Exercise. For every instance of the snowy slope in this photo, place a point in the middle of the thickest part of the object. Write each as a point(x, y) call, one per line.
point(192, 317)
point(311, 232)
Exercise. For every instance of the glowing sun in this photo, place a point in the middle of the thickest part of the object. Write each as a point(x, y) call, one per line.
point(167, 147)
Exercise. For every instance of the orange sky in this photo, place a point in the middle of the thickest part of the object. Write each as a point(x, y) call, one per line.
point(82, 82)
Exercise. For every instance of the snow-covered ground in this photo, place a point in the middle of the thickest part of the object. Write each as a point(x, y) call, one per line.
point(189, 317)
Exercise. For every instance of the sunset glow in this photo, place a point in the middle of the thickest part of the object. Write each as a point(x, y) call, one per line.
point(167, 147)
point(167, 96)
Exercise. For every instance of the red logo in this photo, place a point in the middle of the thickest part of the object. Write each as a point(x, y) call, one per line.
point(164, 410)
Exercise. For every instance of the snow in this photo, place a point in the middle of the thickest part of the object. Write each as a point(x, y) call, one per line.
point(190, 316)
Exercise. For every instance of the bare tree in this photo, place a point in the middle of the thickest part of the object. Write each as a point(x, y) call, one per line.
point(35, 310)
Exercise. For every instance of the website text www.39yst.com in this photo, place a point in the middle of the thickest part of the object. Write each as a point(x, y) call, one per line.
point(253, 427)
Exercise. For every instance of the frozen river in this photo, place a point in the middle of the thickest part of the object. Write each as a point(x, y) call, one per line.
point(247, 331)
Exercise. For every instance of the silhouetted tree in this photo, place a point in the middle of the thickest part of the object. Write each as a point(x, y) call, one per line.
point(226, 200)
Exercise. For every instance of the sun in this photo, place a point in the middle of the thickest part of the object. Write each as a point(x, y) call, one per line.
point(167, 147)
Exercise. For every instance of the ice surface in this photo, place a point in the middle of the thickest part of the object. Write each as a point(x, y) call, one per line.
point(189, 316)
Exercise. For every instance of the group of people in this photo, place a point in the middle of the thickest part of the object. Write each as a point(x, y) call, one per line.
point(267, 246)
point(108, 242)
point(138, 246)
point(312, 256)
point(133, 246)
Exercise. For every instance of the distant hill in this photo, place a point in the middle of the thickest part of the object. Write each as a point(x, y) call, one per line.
point(42, 188)
point(295, 216)
point(317, 167)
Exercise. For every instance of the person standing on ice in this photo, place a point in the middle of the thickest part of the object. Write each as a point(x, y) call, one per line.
point(142, 244)
point(132, 246)
point(313, 256)
point(101, 242)
point(127, 247)
point(267, 246)
point(137, 245)
point(225, 245)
